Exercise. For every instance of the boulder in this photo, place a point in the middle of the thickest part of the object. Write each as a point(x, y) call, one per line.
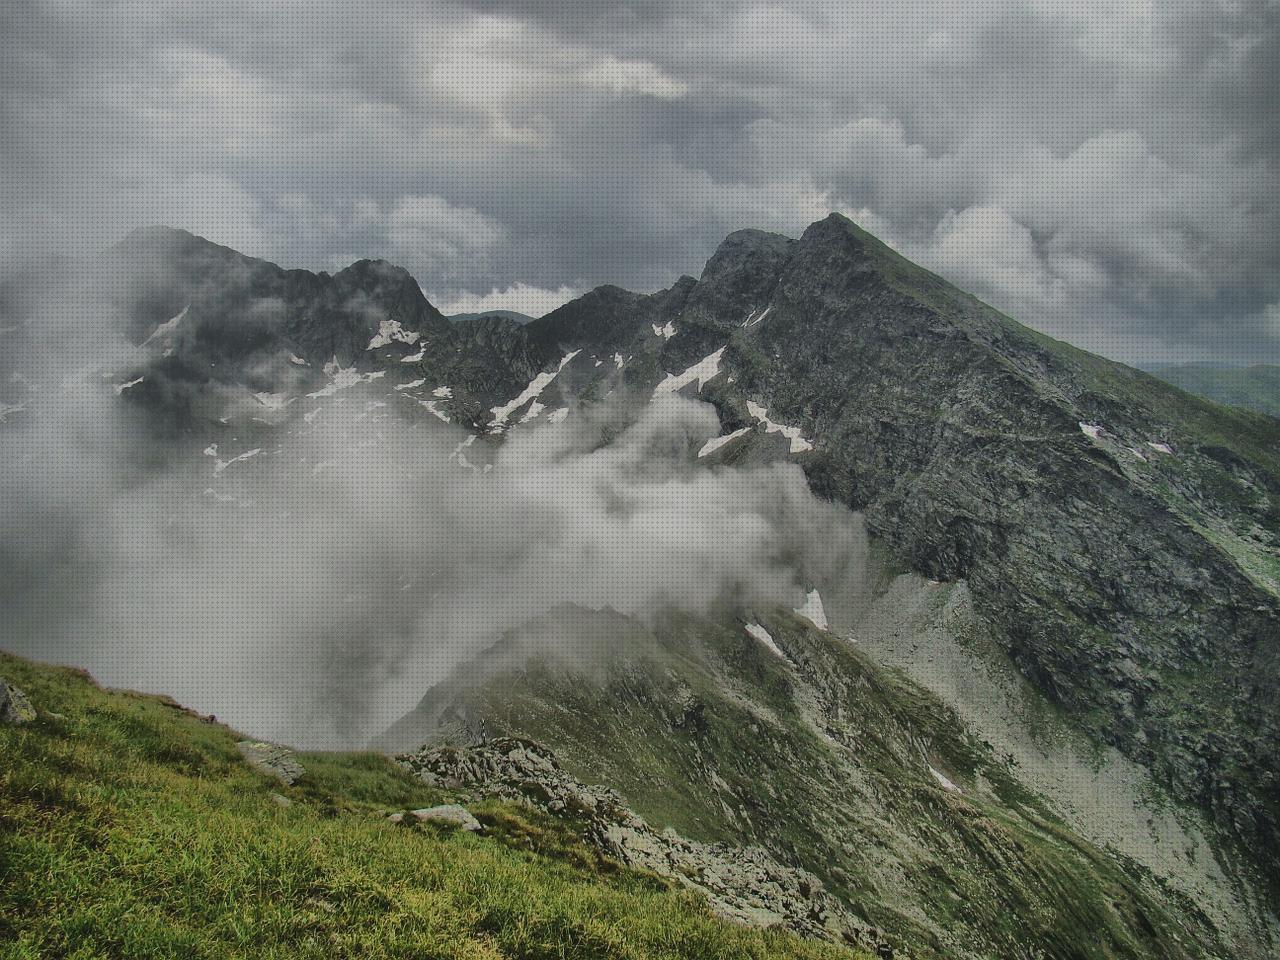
point(450, 815)
point(273, 760)
point(14, 706)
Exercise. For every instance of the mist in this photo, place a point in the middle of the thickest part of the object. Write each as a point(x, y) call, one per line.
point(313, 591)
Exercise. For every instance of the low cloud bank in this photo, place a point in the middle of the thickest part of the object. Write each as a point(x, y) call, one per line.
point(314, 591)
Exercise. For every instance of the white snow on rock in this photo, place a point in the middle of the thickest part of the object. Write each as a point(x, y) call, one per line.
point(122, 387)
point(531, 392)
point(415, 357)
point(343, 377)
point(813, 610)
point(211, 450)
point(167, 328)
point(433, 407)
point(1160, 447)
point(410, 385)
point(705, 369)
point(389, 330)
point(798, 442)
point(535, 408)
point(444, 393)
point(555, 416)
point(223, 464)
point(294, 358)
point(763, 635)
point(1091, 430)
point(666, 331)
point(460, 456)
point(715, 443)
point(618, 361)
point(943, 781)
point(752, 319)
point(274, 401)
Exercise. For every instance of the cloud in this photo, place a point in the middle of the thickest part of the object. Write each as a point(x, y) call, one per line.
point(637, 77)
point(431, 227)
point(1134, 143)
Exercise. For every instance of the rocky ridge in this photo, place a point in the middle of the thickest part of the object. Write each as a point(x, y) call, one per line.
point(745, 884)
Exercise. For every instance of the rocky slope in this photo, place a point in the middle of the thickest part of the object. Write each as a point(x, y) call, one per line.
point(1119, 540)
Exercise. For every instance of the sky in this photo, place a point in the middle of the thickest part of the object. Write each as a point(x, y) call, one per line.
point(1103, 170)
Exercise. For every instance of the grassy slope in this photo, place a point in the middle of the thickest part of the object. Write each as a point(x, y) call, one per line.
point(993, 869)
point(130, 827)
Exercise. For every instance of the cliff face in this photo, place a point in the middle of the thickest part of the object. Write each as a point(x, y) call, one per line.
point(1121, 537)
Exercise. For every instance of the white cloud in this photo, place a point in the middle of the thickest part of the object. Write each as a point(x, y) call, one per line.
point(633, 76)
point(520, 297)
point(431, 227)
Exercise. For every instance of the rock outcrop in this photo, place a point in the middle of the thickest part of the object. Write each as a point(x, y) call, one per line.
point(15, 708)
point(745, 884)
point(273, 760)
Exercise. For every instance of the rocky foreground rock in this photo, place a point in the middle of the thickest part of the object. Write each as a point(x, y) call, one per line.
point(744, 884)
point(15, 708)
point(273, 760)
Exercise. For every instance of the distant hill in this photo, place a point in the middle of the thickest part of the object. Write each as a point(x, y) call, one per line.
point(521, 318)
point(1254, 388)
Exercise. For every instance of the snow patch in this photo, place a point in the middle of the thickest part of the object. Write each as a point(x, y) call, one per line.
point(618, 361)
point(460, 456)
point(122, 387)
point(799, 444)
point(1091, 430)
point(294, 358)
point(444, 393)
point(705, 369)
point(415, 357)
point(557, 415)
point(166, 329)
point(763, 635)
point(715, 443)
point(666, 331)
point(943, 781)
point(813, 610)
point(343, 377)
point(1160, 447)
point(752, 319)
point(274, 401)
point(410, 385)
point(389, 330)
point(531, 392)
point(535, 408)
point(223, 464)
point(433, 407)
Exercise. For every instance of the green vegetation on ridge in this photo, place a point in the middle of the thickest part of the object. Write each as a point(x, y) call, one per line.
point(130, 827)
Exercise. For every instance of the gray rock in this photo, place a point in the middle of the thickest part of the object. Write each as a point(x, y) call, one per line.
point(448, 815)
point(15, 708)
point(273, 760)
point(744, 884)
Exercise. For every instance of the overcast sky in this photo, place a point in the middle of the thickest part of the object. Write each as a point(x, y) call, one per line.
point(1105, 170)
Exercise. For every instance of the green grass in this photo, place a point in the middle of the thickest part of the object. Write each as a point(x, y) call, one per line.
point(130, 827)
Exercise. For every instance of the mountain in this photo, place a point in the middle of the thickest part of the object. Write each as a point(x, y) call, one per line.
point(133, 826)
point(1255, 388)
point(511, 315)
point(1049, 724)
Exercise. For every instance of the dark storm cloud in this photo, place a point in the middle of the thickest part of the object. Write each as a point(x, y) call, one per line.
point(1103, 169)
